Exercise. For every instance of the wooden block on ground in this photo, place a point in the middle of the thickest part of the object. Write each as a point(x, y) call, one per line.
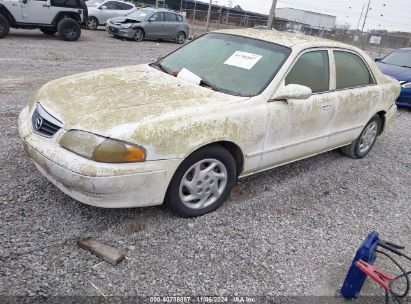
point(110, 254)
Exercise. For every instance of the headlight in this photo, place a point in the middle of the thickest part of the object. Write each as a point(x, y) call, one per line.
point(126, 26)
point(101, 149)
point(406, 85)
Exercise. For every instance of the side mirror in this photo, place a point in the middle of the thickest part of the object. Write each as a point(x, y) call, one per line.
point(25, 1)
point(377, 59)
point(103, 7)
point(292, 91)
point(151, 20)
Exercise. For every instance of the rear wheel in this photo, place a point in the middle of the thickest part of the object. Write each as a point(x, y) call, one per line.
point(364, 143)
point(48, 31)
point(92, 23)
point(139, 35)
point(69, 29)
point(4, 26)
point(202, 183)
point(181, 37)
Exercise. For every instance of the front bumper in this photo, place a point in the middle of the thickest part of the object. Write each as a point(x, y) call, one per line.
point(97, 184)
point(119, 32)
point(404, 99)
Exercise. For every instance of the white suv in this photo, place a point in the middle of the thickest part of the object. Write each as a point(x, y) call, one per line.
point(50, 16)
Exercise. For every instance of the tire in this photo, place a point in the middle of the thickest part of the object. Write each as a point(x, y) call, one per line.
point(139, 35)
point(181, 38)
point(4, 26)
point(191, 196)
point(69, 29)
point(48, 31)
point(364, 143)
point(92, 23)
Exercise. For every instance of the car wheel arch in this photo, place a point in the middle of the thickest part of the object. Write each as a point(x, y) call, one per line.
point(234, 149)
point(5, 12)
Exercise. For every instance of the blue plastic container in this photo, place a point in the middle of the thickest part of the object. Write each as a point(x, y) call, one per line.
point(355, 277)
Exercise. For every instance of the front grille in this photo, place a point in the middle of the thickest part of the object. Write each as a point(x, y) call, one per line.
point(43, 123)
point(113, 29)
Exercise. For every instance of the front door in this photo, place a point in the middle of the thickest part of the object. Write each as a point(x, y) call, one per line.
point(155, 26)
point(300, 128)
point(14, 6)
point(36, 11)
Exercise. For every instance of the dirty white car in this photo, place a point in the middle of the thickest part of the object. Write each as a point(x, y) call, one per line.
point(183, 129)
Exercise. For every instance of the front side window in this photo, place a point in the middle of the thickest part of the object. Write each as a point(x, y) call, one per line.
point(111, 5)
point(312, 69)
point(124, 6)
point(230, 64)
point(351, 71)
point(159, 17)
point(139, 15)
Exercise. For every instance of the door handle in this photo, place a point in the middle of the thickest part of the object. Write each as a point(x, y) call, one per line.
point(46, 5)
point(326, 107)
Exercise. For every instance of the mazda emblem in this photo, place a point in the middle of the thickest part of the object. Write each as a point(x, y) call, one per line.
point(39, 123)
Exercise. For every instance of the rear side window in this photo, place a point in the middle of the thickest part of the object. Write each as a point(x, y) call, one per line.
point(124, 6)
point(64, 3)
point(111, 5)
point(180, 18)
point(170, 17)
point(312, 70)
point(351, 71)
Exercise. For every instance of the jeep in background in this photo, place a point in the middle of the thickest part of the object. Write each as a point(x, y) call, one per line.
point(50, 16)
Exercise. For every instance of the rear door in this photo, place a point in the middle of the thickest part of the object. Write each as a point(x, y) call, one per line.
point(171, 27)
point(37, 11)
point(358, 96)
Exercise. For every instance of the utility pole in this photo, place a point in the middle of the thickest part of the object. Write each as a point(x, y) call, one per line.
point(156, 3)
point(195, 8)
point(366, 16)
point(208, 16)
point(270, 22)
point(181, 6)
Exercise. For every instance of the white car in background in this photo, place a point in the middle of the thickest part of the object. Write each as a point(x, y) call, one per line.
point(99, 11)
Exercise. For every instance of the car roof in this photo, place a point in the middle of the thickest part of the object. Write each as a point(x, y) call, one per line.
point(291, 40)
point(153, 9)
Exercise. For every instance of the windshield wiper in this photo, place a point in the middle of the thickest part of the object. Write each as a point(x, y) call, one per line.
point(161, 67)
point(205, 83)
point(405, 66)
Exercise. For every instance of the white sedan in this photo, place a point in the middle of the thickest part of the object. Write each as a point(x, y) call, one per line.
point(181, 130)
point(99, 11)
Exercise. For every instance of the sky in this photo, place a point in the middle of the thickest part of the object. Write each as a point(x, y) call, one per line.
point(396, 13)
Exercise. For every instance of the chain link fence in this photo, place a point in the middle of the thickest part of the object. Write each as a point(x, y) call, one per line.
point(375, 43)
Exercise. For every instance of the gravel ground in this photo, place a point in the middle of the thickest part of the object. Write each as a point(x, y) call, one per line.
point(289, 231)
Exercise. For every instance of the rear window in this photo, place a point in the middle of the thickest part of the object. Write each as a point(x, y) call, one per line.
point(351, 71)
point(180, 18)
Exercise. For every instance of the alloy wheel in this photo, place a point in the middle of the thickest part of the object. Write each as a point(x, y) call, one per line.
point(203, 184)
point(92, 23)
point(139, 35)
point(70, 31)
point(368, 137)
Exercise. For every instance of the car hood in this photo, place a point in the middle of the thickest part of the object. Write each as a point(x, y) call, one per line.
point(398, 72)
point(124, 19)
point(103, 101)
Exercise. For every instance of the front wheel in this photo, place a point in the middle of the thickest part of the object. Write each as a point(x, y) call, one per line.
point(202, 183)
point(4, 26)
point(139, 35)
point(364, 143)
point(69, 29)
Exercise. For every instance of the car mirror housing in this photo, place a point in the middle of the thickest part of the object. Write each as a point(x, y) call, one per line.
point(292, 91)
point(103, 7)
point(151, 19)
point(377, 59)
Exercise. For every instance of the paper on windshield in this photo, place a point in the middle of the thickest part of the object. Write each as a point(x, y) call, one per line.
point(243, 60)
point(186, 75)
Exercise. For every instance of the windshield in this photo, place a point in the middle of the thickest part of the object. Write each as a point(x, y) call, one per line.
point(91, 3)
point(401, 58)
point(139, 15)
point(230, 64)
